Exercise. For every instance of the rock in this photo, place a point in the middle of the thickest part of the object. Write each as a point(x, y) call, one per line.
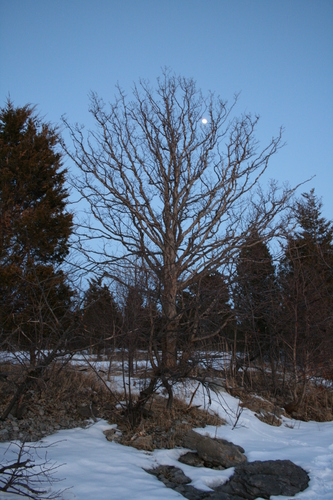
point(192, 459)
point(177, 476)
point(214, 452)
point(174, 478)
point(263, 479)
point(250, 481)
point(112, 435)
point(170, 475)
point(143, 443)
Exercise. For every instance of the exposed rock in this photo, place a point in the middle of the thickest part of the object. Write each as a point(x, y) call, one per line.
point(173, 475)
point(250, 481)
point(216, 453)
point(263, 479)
point(112, 434)
point(191, 458)
point(174, 478)
point(35, 428)
point(143, 443)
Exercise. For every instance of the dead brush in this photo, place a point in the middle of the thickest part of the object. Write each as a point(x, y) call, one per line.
point(317, 404)
point(66, 381)
point(13, 374)
point(70, 388)
point(312, 402)
point(62, 390)
point(167, 427)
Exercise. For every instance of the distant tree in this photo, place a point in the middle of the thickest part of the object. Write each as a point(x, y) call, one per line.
point(34, 229)
point(257, 307)
point(306, 278)
point(205, 310)
point(101, 316)
point(254, 291)
point(170, 189)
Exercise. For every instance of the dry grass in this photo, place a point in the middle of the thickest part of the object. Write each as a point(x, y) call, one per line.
point(62, 391)
point(65, 393)
point(270, 403)
point(166, 428)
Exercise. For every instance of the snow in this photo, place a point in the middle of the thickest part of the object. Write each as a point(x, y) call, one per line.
point(92, 468)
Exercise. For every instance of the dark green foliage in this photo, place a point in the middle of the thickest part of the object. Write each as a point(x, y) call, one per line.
point(255, 296)
point(34, 228)
point(101, 317)
point(306, 278)
point(205, 310)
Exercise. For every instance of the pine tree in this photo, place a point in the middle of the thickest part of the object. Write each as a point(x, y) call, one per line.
point(206, 310)
point(306, 277)
point(255, 296)
point(101, 316)
point(34, 229)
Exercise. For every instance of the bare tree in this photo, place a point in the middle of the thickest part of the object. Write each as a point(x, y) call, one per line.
point(171, 189)
point(28, 474)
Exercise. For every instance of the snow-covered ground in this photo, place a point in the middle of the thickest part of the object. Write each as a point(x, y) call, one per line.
point(93, 468)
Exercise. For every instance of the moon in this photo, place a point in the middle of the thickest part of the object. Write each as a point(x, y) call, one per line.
point(204, 121)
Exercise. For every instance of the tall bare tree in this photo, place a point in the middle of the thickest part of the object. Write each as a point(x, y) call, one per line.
point(168, 177)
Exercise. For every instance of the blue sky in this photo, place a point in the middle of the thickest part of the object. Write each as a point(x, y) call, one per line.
point(277, 53)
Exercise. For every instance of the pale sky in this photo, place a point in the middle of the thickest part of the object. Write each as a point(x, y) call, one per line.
point(277, 53)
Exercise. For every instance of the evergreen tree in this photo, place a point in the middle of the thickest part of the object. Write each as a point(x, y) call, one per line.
point(206, 310)
point(101, 316)
point(34, 229)
point(306, 277)
point(255, 297)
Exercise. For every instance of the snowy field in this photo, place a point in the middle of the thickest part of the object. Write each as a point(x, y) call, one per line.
point(92, 468)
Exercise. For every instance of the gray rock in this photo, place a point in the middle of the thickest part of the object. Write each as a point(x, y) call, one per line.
point(110, 434)
point(171, 476)
point(174, 478)
point(263, 479)
point(192, 459)
point(250, 481)
point(214, 452)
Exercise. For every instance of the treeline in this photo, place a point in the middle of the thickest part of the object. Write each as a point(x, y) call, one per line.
point(271, 313)
point(177, 243)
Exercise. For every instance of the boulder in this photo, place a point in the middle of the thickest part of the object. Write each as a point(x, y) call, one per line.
point(250, 481)
point(263, 479)
point(174, 478)
point(215, 453)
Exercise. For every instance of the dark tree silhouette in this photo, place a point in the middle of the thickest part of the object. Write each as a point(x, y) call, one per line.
point(101, 317)
point(34, 229)
point(257, 304)
point(306, 277)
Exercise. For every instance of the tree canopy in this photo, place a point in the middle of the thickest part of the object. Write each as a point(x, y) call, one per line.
point(34, 225)
point(171, 190)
